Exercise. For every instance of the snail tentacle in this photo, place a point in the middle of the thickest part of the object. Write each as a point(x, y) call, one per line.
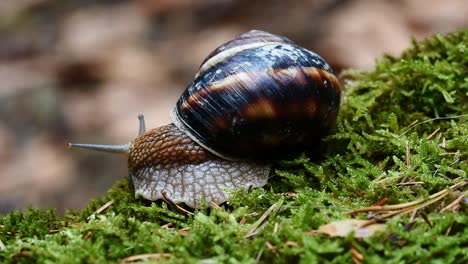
point(142, 126)
point(118, 149)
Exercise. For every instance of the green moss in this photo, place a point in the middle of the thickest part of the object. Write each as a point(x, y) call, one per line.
point(365, 161)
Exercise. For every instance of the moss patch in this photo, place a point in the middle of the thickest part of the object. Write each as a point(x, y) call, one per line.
point(401, 136)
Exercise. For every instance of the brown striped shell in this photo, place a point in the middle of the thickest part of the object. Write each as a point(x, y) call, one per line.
point(259, 96)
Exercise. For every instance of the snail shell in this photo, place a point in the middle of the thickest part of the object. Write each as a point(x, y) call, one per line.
point(259, 96)
point(256, 98)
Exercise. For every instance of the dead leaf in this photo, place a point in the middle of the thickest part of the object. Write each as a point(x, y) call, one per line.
point(344, 227)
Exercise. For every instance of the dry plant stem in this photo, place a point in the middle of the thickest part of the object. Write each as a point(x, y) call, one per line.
point(454, 203)
point(214, 205)
point(259, 256)
point(102, 208)
point(437, 196)
point(413, 215)
point(408, 209)
point(179, 208)
point(433, 134)
point(356, 255)
point(408, 155)
point(144, 257)
point(381, 202)
point(448, 153)
point(416, 123)
point(410, 183)
point(276, 228)
point(272, 248)
point(262, 220)
point(2, 246)
point(449, 228)
point(426, 219)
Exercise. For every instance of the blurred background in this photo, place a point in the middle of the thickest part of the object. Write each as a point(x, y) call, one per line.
point(82, 70)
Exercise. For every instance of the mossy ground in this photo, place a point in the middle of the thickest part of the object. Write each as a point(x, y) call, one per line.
point(365, 162)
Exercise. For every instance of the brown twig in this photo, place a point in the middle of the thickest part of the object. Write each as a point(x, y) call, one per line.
point(142, 257)
point(179, 208)
point(412, 205)
point(419, 205)
point(259, 256)
point(410, 183)
point(448, 153)
point(291, 244)
point(262, 220)
point(168, 225)
point(433, 134)
point(426, 219)
point(184, 231)
point(272, 248)
point(356, 255)
point(413, 215)
point(454, 203)
point(214, 205)
point(449, 228)
point(381, 202)
point(102, 208)
point(408, 154)
point(243, 220)
point(88, 235)
point(276, 228)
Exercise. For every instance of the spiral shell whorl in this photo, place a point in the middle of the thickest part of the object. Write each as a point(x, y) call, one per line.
point(259, 96)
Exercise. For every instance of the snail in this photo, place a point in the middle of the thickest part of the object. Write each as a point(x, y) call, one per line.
point(255, 99)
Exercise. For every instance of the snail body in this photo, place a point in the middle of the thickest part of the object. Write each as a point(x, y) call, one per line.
point(257, 98)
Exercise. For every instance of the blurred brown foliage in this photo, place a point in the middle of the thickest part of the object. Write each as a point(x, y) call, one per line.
point(83, 70)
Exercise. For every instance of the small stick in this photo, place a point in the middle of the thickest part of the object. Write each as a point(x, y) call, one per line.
point(272, 248)
point(408, 155)
point(276, 228)
point(291, 244)
point(433, 134)
point(449, 228)
point(356, 255)
point(214, 205)
point(414, 123)
point(261, 221)
point(102, 208)
point(168, 226)
point(242, 221)
point(259, 256)
point(381, 202)
point(409, 204)
point(424, 216)
point(448, 153)
point(410, 183)
point(455, 202)
point(184, 231)
point(413, 215)
point(154, 256)
point(405, 210)
point(2, 246)
point(170, 202)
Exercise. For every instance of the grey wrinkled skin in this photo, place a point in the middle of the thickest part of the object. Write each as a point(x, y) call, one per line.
point(210, 181)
